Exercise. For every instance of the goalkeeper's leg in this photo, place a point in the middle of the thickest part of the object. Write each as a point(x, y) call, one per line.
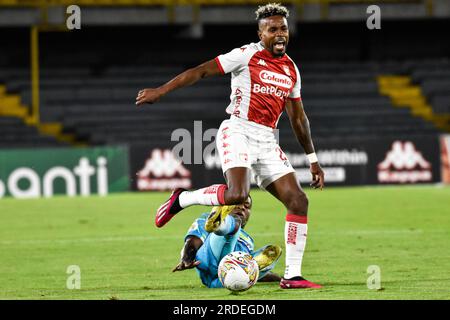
point(266, 258)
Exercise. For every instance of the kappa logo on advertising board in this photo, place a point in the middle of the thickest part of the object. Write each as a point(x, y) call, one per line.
point(162, 171)
point(404, 164)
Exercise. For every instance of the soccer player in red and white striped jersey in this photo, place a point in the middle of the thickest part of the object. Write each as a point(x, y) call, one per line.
point(264, 81)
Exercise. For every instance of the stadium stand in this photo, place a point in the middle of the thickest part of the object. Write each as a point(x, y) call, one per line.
point(89, 84)
point(434, 78)
point(14, 133)
point(99, 109)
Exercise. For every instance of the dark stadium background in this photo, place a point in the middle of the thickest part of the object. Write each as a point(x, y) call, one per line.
point(378, 100)
point(89, 79)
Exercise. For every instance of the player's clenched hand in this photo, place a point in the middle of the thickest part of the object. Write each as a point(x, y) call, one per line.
point(318, 177)
point(183, 265)
point(148, 96)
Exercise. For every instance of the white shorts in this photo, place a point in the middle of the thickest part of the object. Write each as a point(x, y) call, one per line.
point(243, 143)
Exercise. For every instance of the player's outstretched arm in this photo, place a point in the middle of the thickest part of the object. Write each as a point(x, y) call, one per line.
point(188, 253)
point(187, 78)
point(300, 126)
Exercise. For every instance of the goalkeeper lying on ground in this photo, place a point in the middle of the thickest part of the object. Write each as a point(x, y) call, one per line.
point(212, 236)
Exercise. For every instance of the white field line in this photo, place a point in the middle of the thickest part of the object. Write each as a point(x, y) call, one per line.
point(398, 232)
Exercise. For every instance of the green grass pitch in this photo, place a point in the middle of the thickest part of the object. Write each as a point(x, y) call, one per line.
point(122, 255)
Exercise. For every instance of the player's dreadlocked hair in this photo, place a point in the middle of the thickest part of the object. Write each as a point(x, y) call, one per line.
point(271, 9)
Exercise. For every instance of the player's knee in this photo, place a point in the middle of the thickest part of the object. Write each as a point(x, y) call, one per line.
point(298, 204)
point(236, 196)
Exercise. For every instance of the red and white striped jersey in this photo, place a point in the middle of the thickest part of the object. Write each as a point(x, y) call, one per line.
point(260, 83)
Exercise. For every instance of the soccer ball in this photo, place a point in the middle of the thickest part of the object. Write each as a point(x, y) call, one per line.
point(238, 271)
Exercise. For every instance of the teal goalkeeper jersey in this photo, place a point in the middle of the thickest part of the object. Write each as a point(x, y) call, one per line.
point(245, 242)
point(207, 270)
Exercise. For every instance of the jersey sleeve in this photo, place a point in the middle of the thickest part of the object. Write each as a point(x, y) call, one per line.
point(233, 60)
point(296, 91)
point(198, 228)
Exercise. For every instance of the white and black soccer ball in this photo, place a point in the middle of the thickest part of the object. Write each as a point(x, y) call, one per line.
point(238, 271)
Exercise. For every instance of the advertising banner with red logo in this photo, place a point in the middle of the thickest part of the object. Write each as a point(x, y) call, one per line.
point(156, 168)
point(404, 161)
point(345, 162)
point(372, 161)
